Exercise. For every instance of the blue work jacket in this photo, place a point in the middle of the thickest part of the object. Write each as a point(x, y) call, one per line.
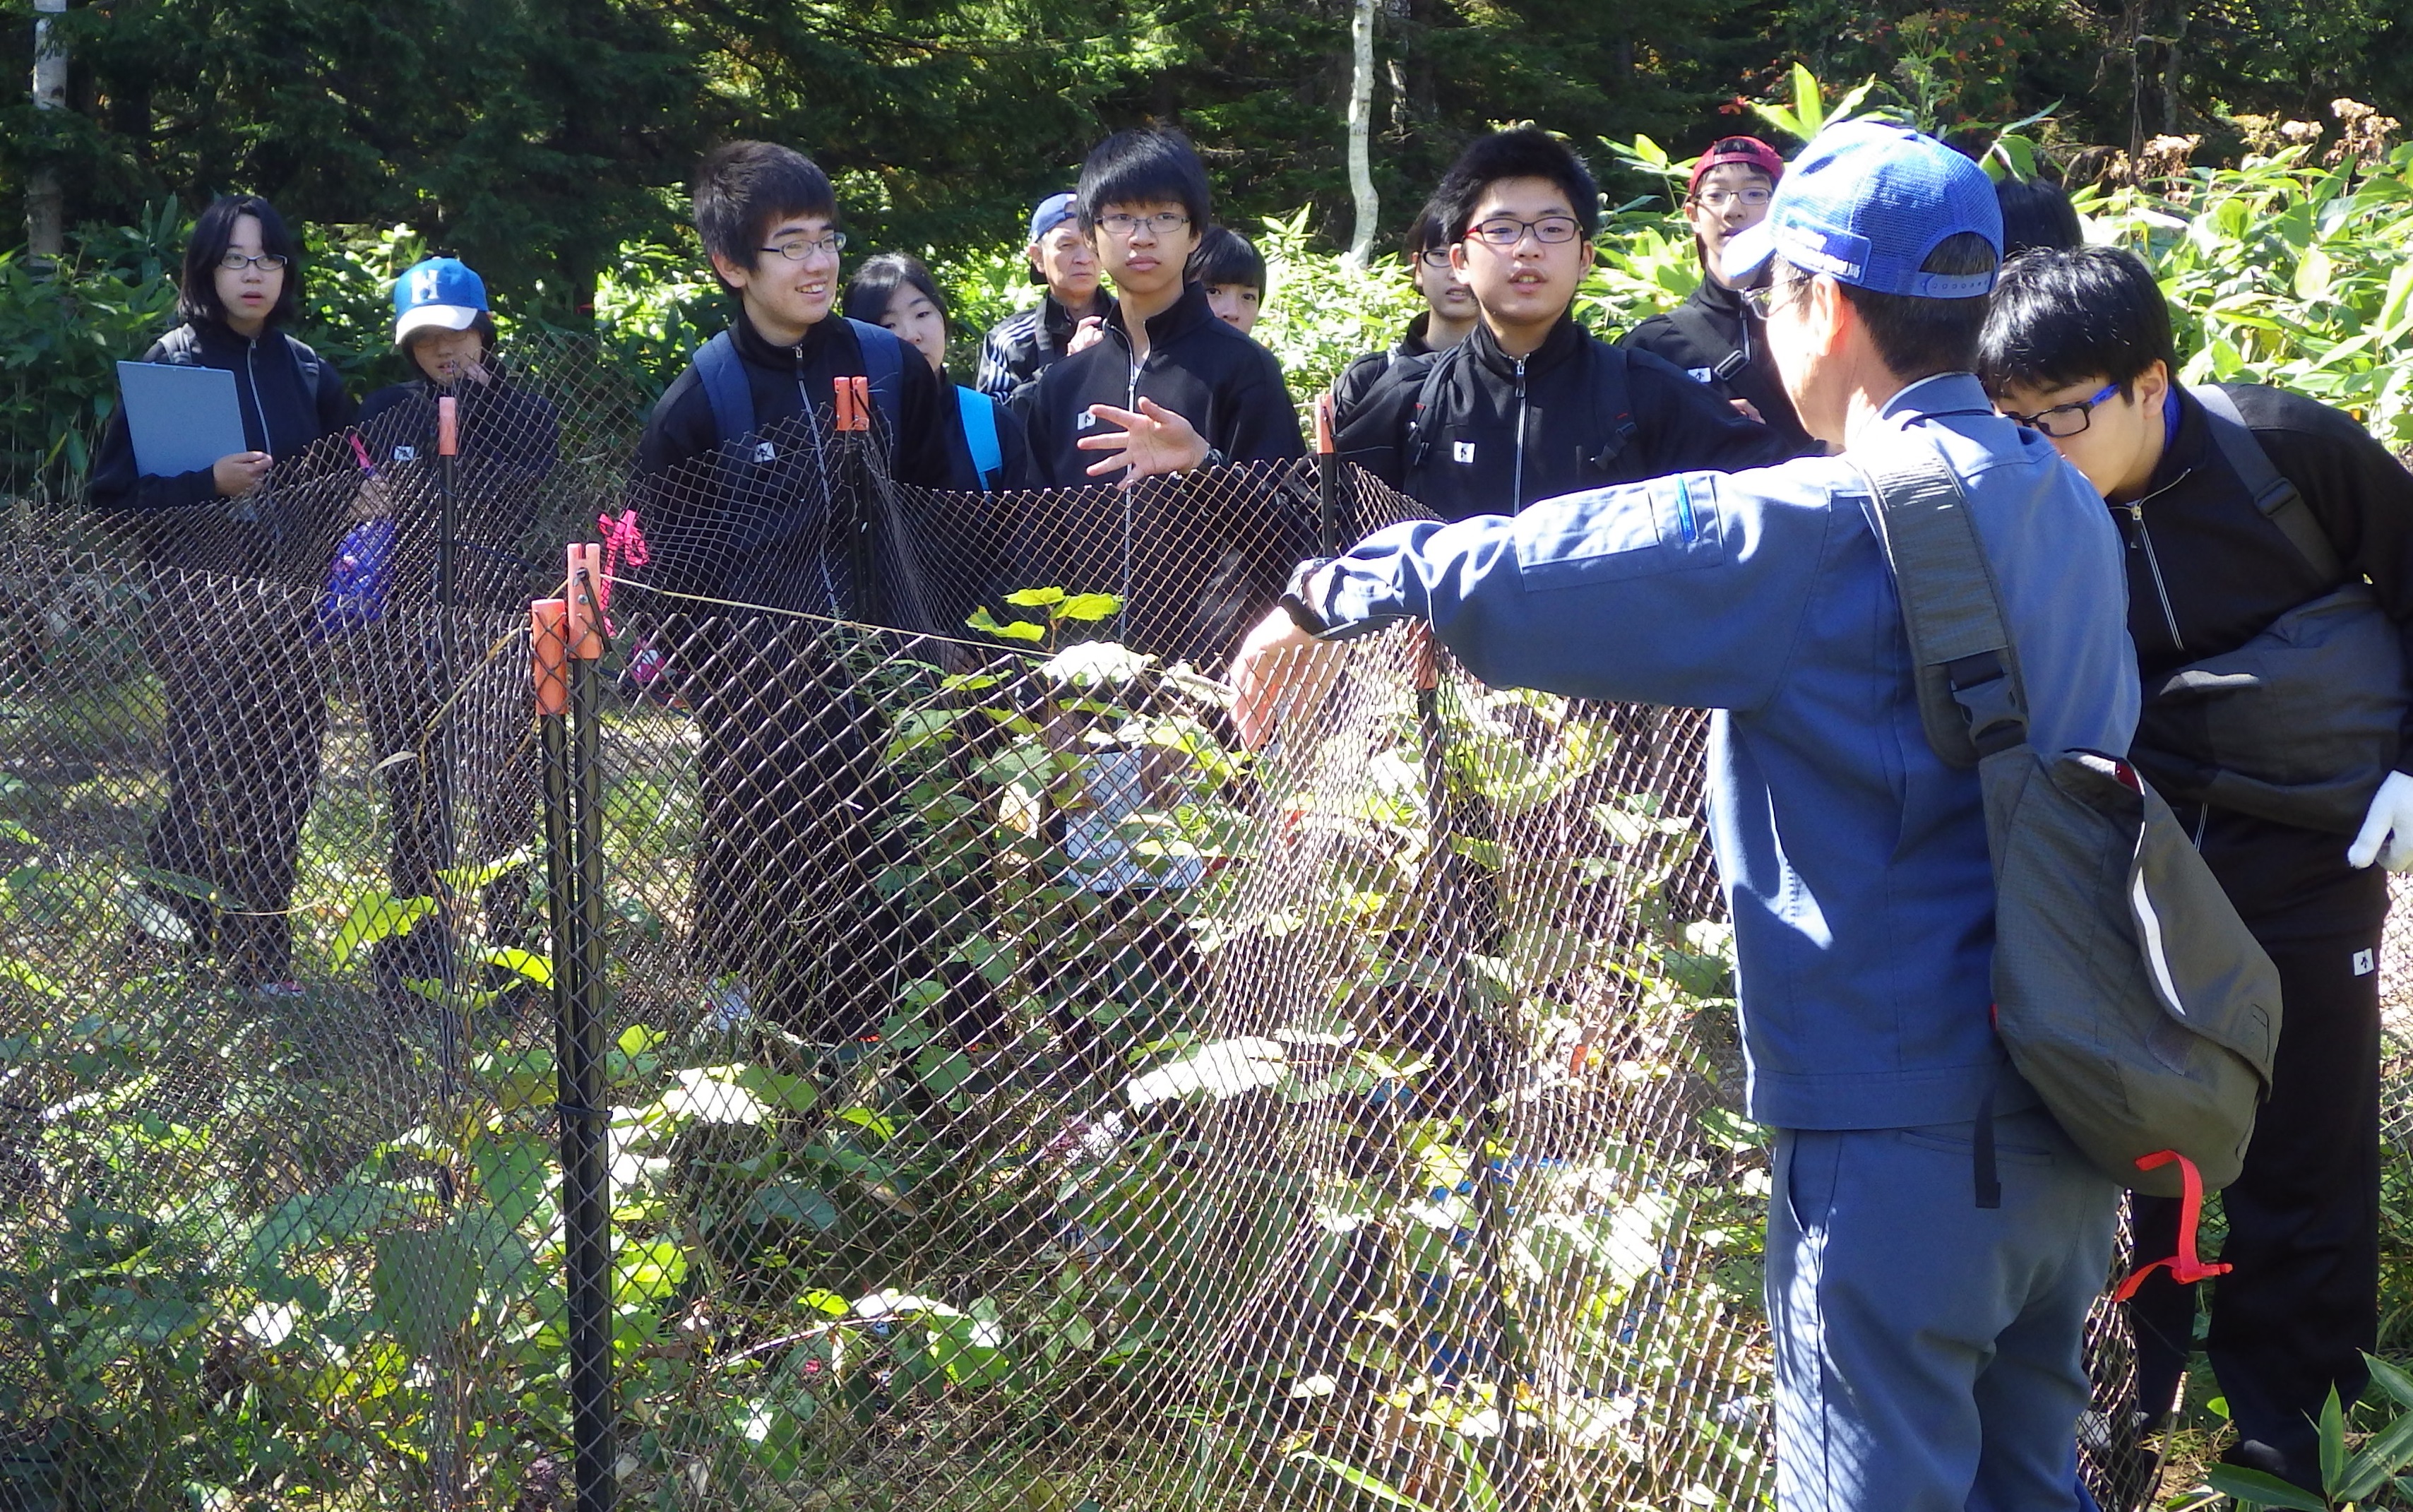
point(1853, 858)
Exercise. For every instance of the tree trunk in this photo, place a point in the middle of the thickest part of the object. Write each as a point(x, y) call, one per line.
point(45, 204)
point(1361, 119)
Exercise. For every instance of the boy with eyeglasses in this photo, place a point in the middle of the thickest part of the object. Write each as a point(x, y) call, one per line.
point(1713, 336)
point(742, 505)
point(1530, 405)
point(2270, 577)
point(1169, 385)
point(1449, 312)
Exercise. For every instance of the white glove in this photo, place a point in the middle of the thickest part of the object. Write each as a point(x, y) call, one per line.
point(2391, 820)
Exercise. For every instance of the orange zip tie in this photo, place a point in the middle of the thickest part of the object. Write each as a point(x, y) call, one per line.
point(549, 656)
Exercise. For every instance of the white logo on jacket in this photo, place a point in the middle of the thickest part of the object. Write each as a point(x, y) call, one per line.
point(1462, 451)
point(2363, 963)
point(1084, 421)
point(765, 452)
point(405, 453)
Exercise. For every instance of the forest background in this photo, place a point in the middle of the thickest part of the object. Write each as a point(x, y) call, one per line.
point(549, 142)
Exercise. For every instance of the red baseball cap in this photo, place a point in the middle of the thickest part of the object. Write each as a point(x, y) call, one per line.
point(1749, 151)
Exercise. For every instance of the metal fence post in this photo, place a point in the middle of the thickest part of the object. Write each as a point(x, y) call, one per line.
point(568, 645)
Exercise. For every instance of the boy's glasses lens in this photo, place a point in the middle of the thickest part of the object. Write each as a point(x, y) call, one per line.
point(802, 247)
point(236, 263)
point(1164, 222)
point(2062, 421)
point(1507, 230)
point(1719, 198)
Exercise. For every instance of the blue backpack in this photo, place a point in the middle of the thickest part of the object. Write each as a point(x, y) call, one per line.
point(723, 376)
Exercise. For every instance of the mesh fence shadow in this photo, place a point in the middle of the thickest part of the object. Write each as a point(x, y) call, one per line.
point(1017, 1096)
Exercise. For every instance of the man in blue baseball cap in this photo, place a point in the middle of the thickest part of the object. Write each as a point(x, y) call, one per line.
point(1027, 343)
point(1927, 1348)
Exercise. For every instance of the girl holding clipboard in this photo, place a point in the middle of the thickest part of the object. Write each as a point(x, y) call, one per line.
point(244, 706)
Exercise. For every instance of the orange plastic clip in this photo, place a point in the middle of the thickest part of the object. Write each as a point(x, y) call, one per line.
point(1324, 424)
point(842, 396)
point(549, 656)
point(447, 427)
point(862, 400)
point(582, 628)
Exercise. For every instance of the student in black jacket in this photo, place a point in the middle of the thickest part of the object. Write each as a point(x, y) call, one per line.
point(742, 507)
point(1028, 342)
point(413, 671)
point(1450, 312)
point(1144, 204)
point(748, 499)
point(245, 710)
point(1715, 335)
point(1530, 405)
point(2078, 346)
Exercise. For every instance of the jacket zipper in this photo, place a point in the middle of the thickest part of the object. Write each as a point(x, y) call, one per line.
point(251, 381)
point(829, 494)
point(1516, 483)
point(1130, 402)
point(2154, 565)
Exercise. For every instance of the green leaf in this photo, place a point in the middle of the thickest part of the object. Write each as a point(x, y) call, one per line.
point(1381, 1491)
point(2382, 1455)
point(537, 968)
point(376, 915)
point(2254, 1489)
point(1035, 597)
point(1481, 1494)
point(26, 976)
point(184, 885)
point(2391, 1379)
point(1089, 606)
point(466, 879)
point(1019, 629)
point(2332, 1440)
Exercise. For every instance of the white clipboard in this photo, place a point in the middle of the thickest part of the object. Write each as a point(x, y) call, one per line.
point(182, 418)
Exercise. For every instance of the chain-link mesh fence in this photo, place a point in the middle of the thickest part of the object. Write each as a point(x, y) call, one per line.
point(999, 1092)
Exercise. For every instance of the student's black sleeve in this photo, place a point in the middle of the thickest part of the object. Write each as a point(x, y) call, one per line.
point(1036, 404)
point(1014, 471)
point(335, 407)
point(2362, 495)
point(1355, 382)
point(680, 428)
point(1373, 430)
point(1262, 424)
point(1684, 426)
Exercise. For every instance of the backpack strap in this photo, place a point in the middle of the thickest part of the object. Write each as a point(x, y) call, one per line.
point(1698, 328)
point(1612, 401)
point(724, 377)
point(2281, 502)
point(980, 431)
point(884, 363)
point(306, 362)
point(1420, 422)
point(1970, 699)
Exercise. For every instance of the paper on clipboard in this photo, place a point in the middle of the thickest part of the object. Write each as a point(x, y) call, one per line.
point(182, 418)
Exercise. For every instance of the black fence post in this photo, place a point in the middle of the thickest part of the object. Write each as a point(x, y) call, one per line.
point(569, 647)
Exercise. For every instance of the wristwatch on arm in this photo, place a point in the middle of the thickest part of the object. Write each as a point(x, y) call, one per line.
point(1298, 599)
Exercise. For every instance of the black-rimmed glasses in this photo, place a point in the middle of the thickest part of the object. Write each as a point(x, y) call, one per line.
point(797, 248)
point(265, 263)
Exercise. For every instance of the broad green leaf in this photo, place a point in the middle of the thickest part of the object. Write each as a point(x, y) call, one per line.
point(2254, 1489)
point(1018, 630)
point(1035, 597)
point(376, 915)
point(467, 880)
point(537, 968)
point(26, 976)
point(1089, 606)
point(2393, 1379)
point(791, 1202)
